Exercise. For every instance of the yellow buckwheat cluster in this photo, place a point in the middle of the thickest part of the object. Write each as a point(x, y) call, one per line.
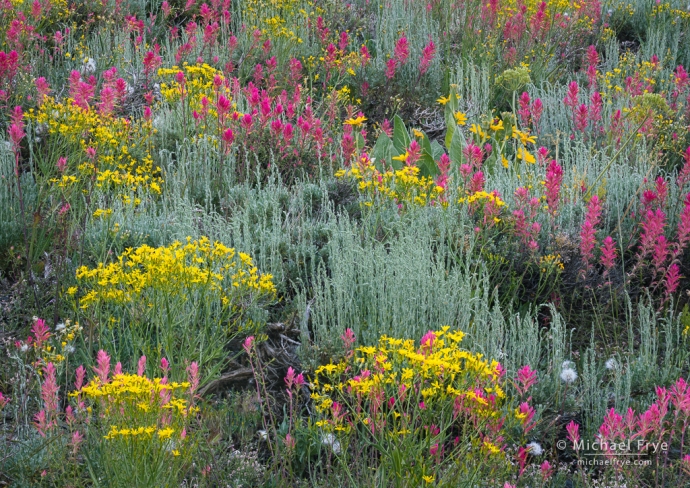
point(119, 148)
point(175, 270)
point(396, 377)
point(404, 186)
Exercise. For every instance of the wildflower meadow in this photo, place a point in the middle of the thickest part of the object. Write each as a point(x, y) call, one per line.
point(325, 243)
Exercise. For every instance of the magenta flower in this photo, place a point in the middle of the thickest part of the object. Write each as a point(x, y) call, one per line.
point(41, 423)
point(348, 338)
point(477, 182)
point(546, 470)
point(652, 228)
point(573, 430)
point(660, 253)
point(428, 54)
point(587, 242)
point(595, 107)
point(608, 253)
point(536, 111)
point(672, 280)
point(580, 117)
point(522, 459)
point(402, 51)
point(552, 185)
point(570, 99)
point(3, 401)
point(16, 130)
point(76, 441)
point(291, 379)
point(527, 412)
point(524, 111)
point(427, 341)
point(390, 68)
point(473, 155)
point(414, 153)
point(43, 88)
point(526, 377)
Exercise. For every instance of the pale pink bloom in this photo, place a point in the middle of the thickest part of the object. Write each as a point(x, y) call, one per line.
point(165, 366)
point(81, 374)
point(103, 366)
point(248, 344)
point(193, 377)
point(76, 440)
point(141, 366)
point(61, 164)
point(49, 389)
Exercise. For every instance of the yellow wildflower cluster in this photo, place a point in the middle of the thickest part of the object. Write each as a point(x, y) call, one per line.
point(176, 270)
point(197, 85)
point(646, 89)
point(434, 372)
point(58, 11)
point(402, 394)
point(670, 13)
point(129, 399)
point(120, 148)
point(61, 343)
point(279, 19)
point(482, 197)
point(614, 81)
point(551, 262)
point(510, 8)
point(504, 142)
point(403, 186)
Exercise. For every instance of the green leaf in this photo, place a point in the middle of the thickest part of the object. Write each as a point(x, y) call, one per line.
point(427, 166)
point(426, 144)
point(359, 140)
point(401, 138)
point(449, 113)
point(383, 151)
point(450, 130)
point(455, 148)
point(436, 150)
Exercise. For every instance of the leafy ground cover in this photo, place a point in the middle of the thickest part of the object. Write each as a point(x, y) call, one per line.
point(325, 243)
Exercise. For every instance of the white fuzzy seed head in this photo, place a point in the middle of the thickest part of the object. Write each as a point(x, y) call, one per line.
point(535, 449)
point(330, 441)
point(568, 375)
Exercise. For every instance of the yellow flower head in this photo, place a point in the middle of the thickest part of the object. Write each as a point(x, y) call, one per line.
point(356, 121)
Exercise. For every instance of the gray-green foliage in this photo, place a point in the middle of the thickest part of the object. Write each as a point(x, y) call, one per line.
point(10, 215)
point(406, 285)
point(473, 86)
